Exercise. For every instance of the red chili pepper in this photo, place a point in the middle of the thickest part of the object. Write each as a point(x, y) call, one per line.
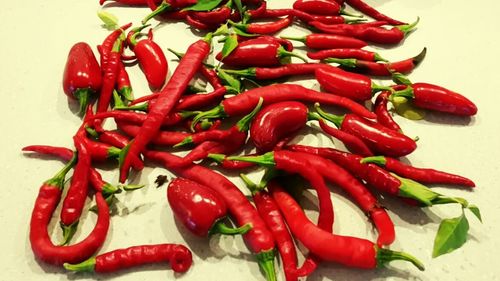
point(264, 28)
point(270, 73)
point(198, 101)
point(275, 122)
point(379, 69)
point(349, 251)
point(328, 41)
point(197, 24)
point(110, 74)
point(151, 58)
point(303, 16)
point(200, 208)
point(179, 257)
point(352, 85)
point(422, 175)
point(352, 142)
point(123, 84)
point(48, 198)
point(139, 118)
point(372, 12)
point(213, 18)
point(257, 52)
point(379, 138)
point(433, 97)
point(317, 7)
point(259, 238)
point(82, 74)
point(259, 11)
point(383, 115)
point(167, 138)
point(167, 99)
point(244, 102)
point(107, 45)
point(222, 160)
point(129, 2)
point(359, 54)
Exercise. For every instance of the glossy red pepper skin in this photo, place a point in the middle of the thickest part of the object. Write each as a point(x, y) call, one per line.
point(168, 138)
point(123, 84)
point(152, 61)
point(355, 53)
point(275, 122)
point(366, 32)
point(213, 18)
point(351, 85)
point(331, 41)
point(107, 45)
point(372, 12)
point(138, 118)
point(437, 98)
point(110, 74)
point(82, 74)
point(317, 7)
point(352, 142)
point(197, 101)
point(303, 16)
point(286, 70)
point(383, 115)
point(196, 206)
point(379, 138)
point(266, 28)
point(254, 52)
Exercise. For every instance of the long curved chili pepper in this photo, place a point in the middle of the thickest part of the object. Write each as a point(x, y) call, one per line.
point(245, 102)
point(139, 118)
point(303, 16)
point(328, 41)
point(222, 160)
point(47, 200)
point(197, 24)
point(179, 257)
point(352, 85)
point(213, 18)
point(383, 115)
point(379, 69)
point(349, 251)
point(317, 7)
point(372, 12)
point(107, 45)
point(74, 201)
point(258, 52)
point(195, 102)
point(377, 137)
point(166, 101)
point(151, 58)
point(433, 97)
point(270, 73)
point(352, 142)
point(259, 238)
point(168, 138)
point(200, 208)
point(344, 53)
point(264, 28)
point(422, 175)
point(110, 74)
point(123, 84)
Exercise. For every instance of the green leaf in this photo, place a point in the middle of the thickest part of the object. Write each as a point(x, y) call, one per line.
point(110, 21)
point(229, 45)
point(203, 5)
point(475, 210)
point(451, 235)
point(239, 7)
point(230, 80)
point(406, 109)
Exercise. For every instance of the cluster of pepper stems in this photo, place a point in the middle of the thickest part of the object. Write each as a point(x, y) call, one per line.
point(173, 117)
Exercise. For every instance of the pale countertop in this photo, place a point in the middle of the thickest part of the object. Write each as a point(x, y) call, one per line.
point(462, 41)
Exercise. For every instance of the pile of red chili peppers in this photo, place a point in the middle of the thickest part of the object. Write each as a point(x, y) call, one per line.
point(178, 116)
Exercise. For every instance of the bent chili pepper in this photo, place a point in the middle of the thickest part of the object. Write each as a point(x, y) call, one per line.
point(383, 115)
point(107, 45)
point(422, 175)
point(352, 142)
point(349, 251)
point(328, 41)
point(344, 53)
point(168, 138)
point(259, 238)
point(179, 257)
point(352, 85)
point(200, 208)
point(317, 7)
point(379, 69)
point(139, 118)
point(151, 58)
point(372, 12)
point(433, 97)
point(82, 74)
point(213, 18)
point(264, 28)
point(269, 73)
point(245, 102)
point(166, 101)
point(379, 138)
point(258, 52)
point(123, 83)
point(110, 74)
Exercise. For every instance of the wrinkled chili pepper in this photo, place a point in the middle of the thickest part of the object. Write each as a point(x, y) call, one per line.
point(123, 84)
point(82, 74)
point(349, 251)
point(317, 7)
point(167, 99)
point(433, 97)
point(107, 45)
point(422, 175)
point(270, 73)
point(245, 102)
point(343, 53)
point(179, 257)
point(151, 58)
point(372, 12)
point(200, 208)
point(352, 142)
point(259, 238)
point(110, 74)
point(328, 41)
point(377, 137)
point(264, 28)
point(379, 69)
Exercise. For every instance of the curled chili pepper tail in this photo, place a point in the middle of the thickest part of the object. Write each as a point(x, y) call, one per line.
point(385, 255)
point(266, 159)
point(266, 264)
point(244, 124)
point(220, 228)
point(420, 57)
point(83, 97)
point(337, 120)
point(164, 6)
point(216, 112)
point(131, 187)
point(187, 140)
point(181, 259)
point(407, 28)
point(68, 232)
point(85, 266)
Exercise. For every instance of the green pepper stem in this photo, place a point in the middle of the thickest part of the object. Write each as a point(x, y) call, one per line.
point(351, 63)
point(420, 57)
point(244, 124)
point(299, 39)
point(117, 99)
point(85, 266)
point(220, 228)
point(442, 199)
point(379, 160)
point(139, 107)
point(131, 187)
point(241, 26)
point(266, 264)
point(219, 158)
point(266, 159)
point(92, 132)
point(135, 32)
point(377, 88)
point(109, 189)
point(68, 232)
point(114, 152)
point(385, 255)
point(378, 57)
point(282, 53)
point(216, 112)
point(249, 72)
point(249, 184)
point(57, 180)
point(186, 140)
point(179, 55)
point(406, 93)
point(313, 116)
point(164, 6)
point(407, 28)
point(400, 79)
point(414, 190)
point(127, 93)
point(83, 97)
point(335, 119)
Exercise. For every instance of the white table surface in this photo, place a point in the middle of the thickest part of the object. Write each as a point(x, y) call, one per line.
point(463, 44)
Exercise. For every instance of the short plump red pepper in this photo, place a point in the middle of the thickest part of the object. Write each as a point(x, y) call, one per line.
point(82, 74)
point(200, 208)
point(317, 7)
